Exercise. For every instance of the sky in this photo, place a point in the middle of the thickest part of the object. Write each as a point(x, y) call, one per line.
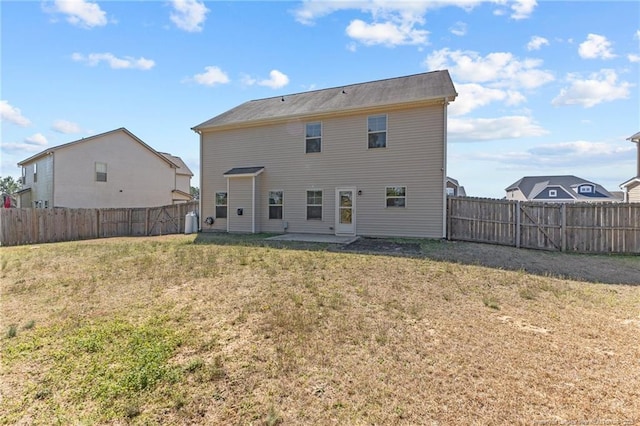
point(544, 87)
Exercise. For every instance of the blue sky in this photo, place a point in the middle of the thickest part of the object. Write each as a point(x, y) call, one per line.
point(544, 87)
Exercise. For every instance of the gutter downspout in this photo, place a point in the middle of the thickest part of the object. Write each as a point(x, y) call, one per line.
point(200, 184)
point(444, 168)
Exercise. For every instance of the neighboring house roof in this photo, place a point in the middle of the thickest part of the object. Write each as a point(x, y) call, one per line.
point(66, 145)
point(182, 167)
point(631, 182)
point(461, 190)
point(634, 138)
point(416, 88)
point(533, 187)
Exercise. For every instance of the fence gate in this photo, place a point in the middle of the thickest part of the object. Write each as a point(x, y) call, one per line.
point(539, 226)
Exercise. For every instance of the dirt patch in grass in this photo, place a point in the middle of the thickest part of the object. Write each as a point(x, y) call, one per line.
point(609, 269)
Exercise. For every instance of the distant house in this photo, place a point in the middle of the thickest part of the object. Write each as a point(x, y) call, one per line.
point(112, 169)
point(361, 159)
point(565, 189)
point(454, 188)
point(631, 187)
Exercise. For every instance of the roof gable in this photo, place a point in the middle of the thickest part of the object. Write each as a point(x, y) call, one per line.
point(93, 138)
point(423, 87)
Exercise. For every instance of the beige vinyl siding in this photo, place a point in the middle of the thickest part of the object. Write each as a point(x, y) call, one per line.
point(413, 158)
point(42, 190)
point(136, 177)
point(634, 193)
point(240, 197)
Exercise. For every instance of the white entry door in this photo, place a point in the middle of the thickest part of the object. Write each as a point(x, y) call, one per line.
point(346, 211)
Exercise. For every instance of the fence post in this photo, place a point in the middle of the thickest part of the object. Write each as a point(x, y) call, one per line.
point(563, 227)
point(517, 224)
point(98, 222)
point(146, 221)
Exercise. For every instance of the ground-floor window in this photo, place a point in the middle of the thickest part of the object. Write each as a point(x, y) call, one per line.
point(221, 205)
point(276, 203)
point(314, 204)
point(396, 196)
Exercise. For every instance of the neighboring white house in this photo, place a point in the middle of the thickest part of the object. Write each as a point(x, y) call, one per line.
point(565, 189)
point(361, 159)
point(112, 169)
point(631, 187)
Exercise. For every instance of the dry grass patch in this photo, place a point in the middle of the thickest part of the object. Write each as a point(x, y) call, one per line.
point(162, 330)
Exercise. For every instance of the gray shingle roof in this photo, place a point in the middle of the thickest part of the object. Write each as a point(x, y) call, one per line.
point(533, 185)
point(244, 171)
point(394, 91)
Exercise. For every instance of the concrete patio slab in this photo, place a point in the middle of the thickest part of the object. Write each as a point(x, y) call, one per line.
point(315, 238)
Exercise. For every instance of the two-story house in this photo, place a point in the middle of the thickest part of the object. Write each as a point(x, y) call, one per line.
point(361, 159)
point(111, 169)
point(631, 187)
point(558, 189)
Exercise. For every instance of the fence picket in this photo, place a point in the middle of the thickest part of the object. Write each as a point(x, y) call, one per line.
point(577, 227)
point(32, 226)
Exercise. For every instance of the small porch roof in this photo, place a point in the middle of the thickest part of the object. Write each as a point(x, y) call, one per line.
point(244, 171)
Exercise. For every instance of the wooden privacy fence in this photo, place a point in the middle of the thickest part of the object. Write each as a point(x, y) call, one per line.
point(32, 226)
point(576, 227)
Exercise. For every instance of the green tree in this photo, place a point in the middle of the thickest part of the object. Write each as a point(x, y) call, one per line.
point(8, 185)
point(195, 193)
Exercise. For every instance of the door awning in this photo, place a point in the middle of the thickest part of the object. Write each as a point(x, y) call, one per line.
point(244, 172)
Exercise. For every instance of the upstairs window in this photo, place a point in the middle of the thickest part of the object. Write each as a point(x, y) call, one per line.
point(396, 196)
point(314, 205)
point(585, 189)
point(553, 193)
point(313, 138)
point(377, 125)
point(101, 172)
point(221, 205)
point(35, 172)
point(276, 202)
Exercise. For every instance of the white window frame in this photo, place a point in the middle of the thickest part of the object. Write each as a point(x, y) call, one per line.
point(385, 131)
point(98, 163)
point(281, 205)
point(216, 205)
point(553, 193)
point(307, 137)
point(387, 197)
point(321, 205)
point(582, 189)
point(35, 172)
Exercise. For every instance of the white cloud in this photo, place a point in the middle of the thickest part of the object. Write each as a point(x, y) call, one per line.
point(551, 157)
point(472, 96)
point(537, 42)
point(396, 22)
point(484, 129)
point(114, 62)
point(276, 80)
point(37, 139)
point(596, 47)
point(522, 9)
point(633, 58)
point(459, 29)
point(13, 115)
point(211, 77)
point(602, 86)
point(66, 127)
point(385, 33)
point(500, 69)
point(81, 13)
point(189, 15)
